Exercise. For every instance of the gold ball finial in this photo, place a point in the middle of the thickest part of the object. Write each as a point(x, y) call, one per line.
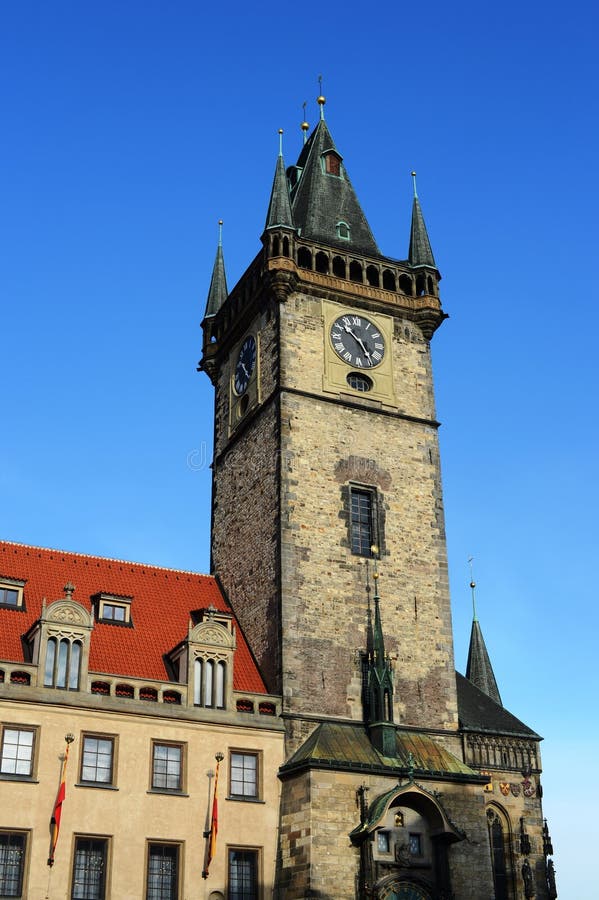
point(220, 221)
point(321, 100)
point(280, 131)
point(304, 126)
point(473, 584)
point(375, 575)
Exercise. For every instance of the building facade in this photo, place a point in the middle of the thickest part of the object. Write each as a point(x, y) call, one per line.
point(147, 673)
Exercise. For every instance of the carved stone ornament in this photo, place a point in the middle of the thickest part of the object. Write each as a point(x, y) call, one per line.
point(528, 788)
point(212, 633)
point(69, 612)
point(515, 789)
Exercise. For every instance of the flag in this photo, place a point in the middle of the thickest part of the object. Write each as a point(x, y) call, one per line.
point(57, 811)
point(213, 825)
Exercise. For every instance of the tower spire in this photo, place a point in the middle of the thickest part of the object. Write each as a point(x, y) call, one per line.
point(378, 696)
point(479, 669)
point(217, 293)
point(279, 208)
point(420, 252)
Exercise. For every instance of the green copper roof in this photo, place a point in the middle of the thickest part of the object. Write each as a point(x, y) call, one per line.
point(420, 253)
point(321, 201)
point(279, 208)
point(347, 746)
point(479, 669)
point(218, 284)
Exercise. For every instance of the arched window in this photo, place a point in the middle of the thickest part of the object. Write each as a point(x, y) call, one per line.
point(322, 263)
point(388, 280)
point(429, 283)
point(405, 285)
point(209, 683)
point(63, 664)
point(285, 246)
point(275, 246)
point(343, 232)
point(355, 271)
point(339, 267)
point(304, 258)
point(372, 276)
point(499, 843)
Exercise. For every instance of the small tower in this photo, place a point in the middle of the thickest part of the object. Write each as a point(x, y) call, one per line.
point(378, 693)
point(217, 294)
point(479, 669)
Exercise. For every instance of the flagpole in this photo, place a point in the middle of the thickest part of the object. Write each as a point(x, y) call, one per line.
point(57, 811)
point(210, 835)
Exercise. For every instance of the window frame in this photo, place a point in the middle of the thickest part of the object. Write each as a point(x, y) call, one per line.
point(180, 789)
point(256, 891)
point(31, 729)
point(13, 585)
point(256, 756)
point(212, 680)
point(57, 642)
point(96, 783)
point(178, 848)
point(89, 838)
point(358, 546)
point(23, 863)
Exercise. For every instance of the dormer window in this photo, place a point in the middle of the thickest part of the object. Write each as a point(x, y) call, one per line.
point(59, 643)
point(342, 231)
point(113, 609)
point(11, 593)
point(205, 659)
point(332, 163)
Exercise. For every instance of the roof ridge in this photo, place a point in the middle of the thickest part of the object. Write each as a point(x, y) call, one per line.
point(129, 562)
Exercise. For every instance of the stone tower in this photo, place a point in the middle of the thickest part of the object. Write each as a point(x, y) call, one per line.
point(326, 444)
point(326, 457)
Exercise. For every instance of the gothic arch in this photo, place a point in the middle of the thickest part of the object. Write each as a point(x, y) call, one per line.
point(500, 846)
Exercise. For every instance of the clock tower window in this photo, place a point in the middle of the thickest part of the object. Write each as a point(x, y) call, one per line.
point(362, 521)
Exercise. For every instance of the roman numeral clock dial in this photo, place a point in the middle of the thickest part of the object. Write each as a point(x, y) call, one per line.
point(244, 366)
point(357, 341)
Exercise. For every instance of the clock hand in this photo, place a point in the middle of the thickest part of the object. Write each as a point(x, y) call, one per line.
point(247, 374)
point(358, 341)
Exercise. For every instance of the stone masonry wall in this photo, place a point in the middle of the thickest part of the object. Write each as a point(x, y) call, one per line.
point(326, 445)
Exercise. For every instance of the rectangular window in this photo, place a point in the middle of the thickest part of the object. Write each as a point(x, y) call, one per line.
point(89, 869)
point(243, 874)
point(114, 613)
point(167, 767)
point(163, 872)
point(382, 841)
point(243, 769)
point(11, 594)
point(16, 756)
point(97, 759)
point(362, 519)
point(415, 845)
point(12, 863)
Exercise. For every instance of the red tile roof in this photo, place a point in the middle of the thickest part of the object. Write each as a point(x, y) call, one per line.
point(160, 610)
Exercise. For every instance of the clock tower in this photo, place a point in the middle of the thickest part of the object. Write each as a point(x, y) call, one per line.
point(326, 445)
point(328, 537)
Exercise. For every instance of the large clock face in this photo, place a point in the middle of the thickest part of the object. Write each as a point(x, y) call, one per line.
point(357, 341)
point(246, 360)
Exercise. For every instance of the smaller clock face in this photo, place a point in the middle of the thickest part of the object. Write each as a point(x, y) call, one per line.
point(244, 366)
point(357, 341)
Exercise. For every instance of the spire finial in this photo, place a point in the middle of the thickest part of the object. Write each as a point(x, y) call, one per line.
point(304, 126)
point(320, 99)
point(220, 232)
point(280, 141)
point(473, 589)
point(414, 184)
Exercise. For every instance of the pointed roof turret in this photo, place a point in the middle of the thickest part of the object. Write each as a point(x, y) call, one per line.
point(420, 253)
point(479, 669)
point(324, 204)
point(279, 208)
point(218, 283)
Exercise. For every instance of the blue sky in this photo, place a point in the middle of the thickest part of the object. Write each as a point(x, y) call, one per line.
point(130, 128)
